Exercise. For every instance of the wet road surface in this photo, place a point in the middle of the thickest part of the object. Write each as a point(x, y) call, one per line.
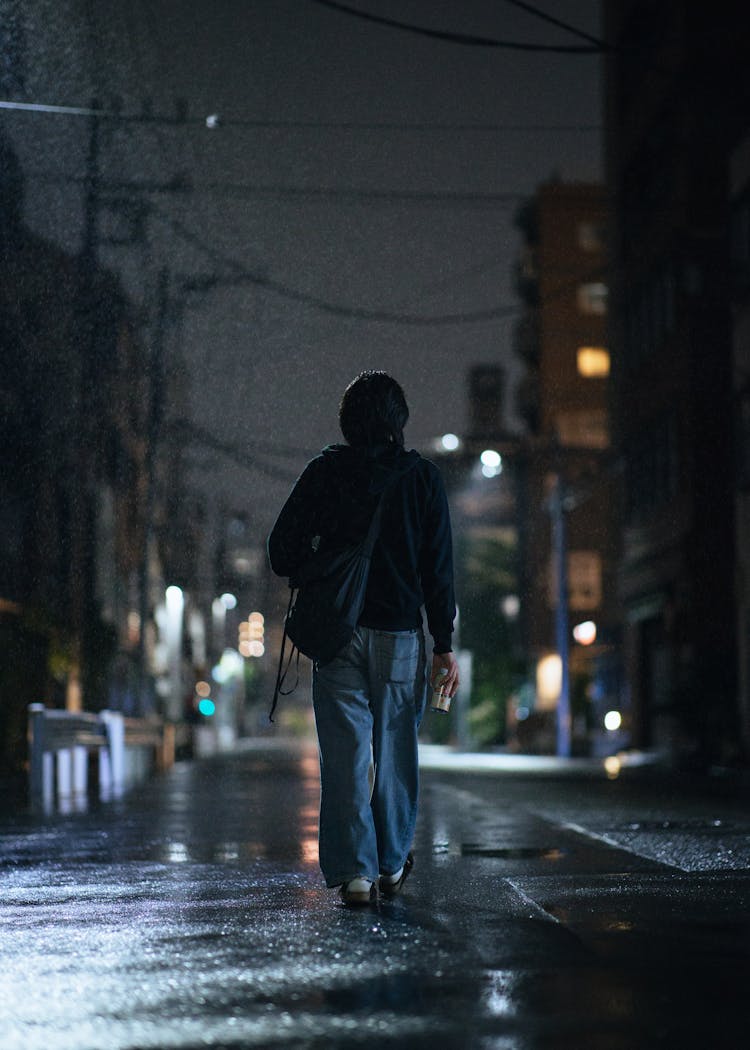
point(544, 911)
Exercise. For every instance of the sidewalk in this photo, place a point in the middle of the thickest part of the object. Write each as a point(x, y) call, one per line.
point(552, 909)
point(439, 756)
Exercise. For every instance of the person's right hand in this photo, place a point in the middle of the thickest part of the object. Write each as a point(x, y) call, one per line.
point(448, 662)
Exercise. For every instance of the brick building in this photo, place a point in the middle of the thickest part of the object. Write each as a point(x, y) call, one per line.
point(561, 338)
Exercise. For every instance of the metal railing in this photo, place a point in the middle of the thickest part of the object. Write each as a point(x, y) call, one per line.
point(61, 745)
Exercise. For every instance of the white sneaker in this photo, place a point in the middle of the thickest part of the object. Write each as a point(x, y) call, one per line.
point(359, 891)
point(389, 880)
point(392, 884)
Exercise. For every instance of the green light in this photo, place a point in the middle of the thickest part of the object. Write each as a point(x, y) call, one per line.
point(207, 707)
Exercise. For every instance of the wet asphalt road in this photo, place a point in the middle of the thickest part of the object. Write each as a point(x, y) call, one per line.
point(545, 911)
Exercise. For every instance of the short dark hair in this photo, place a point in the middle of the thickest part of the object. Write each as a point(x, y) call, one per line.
point(373, 410)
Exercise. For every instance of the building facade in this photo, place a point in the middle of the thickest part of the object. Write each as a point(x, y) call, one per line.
point(740, 202)
point(676, 95)
point(564, 397)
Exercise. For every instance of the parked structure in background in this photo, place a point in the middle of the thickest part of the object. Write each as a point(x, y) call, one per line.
point(568, 515)
point(677, 100)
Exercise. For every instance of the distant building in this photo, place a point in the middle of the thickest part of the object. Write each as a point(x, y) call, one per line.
point(72, 433)
point(482, 472)
point(564, 398)
point(676, 97)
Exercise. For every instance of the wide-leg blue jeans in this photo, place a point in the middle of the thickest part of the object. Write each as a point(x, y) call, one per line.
point(368, 703)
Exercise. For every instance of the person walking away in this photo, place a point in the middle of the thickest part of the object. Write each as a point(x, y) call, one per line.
point(369, 700)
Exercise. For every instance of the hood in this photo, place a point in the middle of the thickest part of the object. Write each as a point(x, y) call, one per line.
point(369, 468)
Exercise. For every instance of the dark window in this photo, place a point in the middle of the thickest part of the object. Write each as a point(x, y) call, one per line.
point(650, 314)
point(652, 469)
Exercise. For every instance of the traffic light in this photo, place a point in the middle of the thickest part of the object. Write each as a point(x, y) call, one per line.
point(203, 701)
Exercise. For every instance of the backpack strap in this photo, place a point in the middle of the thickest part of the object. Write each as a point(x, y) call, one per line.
point(282, 671)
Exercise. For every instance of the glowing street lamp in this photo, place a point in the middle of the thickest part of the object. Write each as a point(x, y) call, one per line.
point(492, 463)
point(175, 606)
point(612, 721)
point(585, 633)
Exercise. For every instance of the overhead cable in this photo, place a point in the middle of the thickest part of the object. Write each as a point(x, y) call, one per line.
point(538, 13)
point(271, 448)
point(466, 39)
point(179, 186)
point(235, 453)
point(240, 276)
point(248, 123)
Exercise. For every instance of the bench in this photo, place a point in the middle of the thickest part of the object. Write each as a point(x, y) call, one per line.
point(61, 743)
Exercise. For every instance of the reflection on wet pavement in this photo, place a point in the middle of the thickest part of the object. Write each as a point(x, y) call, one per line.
point(192, 913)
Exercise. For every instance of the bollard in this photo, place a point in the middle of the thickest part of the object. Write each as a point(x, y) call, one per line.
point(65, 773)
point(80, 771)
point(36, 751)
point(41, 761)
point(114, 774)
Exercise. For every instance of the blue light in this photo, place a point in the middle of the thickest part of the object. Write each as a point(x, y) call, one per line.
point(207, 707)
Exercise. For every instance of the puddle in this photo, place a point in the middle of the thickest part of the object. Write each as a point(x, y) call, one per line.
point(472, 849)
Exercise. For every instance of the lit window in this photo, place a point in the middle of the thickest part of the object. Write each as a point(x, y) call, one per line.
point(548, 682)
point(592, 298)
point(583, 428)
point(584, 579)
point(593, 362)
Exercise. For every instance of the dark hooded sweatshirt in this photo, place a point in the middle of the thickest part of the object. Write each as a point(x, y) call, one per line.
point(412, 563)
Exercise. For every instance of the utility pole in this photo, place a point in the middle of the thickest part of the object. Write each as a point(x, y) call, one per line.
point(156, 377)
point(81, 490)
point(560, 552)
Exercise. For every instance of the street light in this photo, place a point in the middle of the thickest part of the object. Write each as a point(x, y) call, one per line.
point(175, 606)
point(585, 632)
point(560, 550)
point(492, 463)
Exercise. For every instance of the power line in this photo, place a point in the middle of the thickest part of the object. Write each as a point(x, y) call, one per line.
point(406, 126)
point(428, 291)
point(326, 194)
point(42, 107)
point(236, 454)
point(248, 123)
point(530, 9)
point(270, 448)
point(242, 276)
point(361, 196)
point(465, 39)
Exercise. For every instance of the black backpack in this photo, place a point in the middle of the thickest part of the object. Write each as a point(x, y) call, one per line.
point(327, 596)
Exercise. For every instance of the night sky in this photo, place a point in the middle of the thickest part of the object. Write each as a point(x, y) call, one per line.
point(310, 228)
